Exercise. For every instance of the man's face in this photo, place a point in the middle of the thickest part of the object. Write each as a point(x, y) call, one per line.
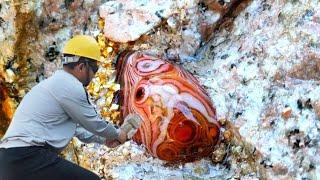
point(92, 68)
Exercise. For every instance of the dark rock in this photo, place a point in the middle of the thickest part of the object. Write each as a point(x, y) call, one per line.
point(52, 52)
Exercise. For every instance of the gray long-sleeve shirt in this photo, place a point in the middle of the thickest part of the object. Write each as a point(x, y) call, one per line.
point(53, 112)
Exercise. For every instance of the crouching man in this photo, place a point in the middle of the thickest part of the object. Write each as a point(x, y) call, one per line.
point(53, 112)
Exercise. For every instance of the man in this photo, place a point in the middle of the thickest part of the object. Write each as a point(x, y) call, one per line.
point(52, 113)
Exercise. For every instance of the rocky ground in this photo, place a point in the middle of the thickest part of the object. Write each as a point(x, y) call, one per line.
point(260, 65)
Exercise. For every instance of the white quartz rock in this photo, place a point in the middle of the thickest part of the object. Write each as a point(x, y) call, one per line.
point(127, 20)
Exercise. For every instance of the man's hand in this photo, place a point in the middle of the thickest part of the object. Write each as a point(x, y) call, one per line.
point(116, 142)
point(113, 143)
point(122, 136)
point(130, 125)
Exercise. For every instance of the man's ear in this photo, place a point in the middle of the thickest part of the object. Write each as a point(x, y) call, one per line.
point(81, 66)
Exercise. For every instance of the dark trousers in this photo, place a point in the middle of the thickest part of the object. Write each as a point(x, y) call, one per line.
point(37, 163)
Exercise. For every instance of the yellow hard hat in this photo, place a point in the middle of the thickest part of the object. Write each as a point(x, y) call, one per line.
point(84, 46)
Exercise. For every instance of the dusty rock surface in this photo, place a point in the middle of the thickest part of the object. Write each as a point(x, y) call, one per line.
point(262, 73)
point(174, 29)
point(261, 69)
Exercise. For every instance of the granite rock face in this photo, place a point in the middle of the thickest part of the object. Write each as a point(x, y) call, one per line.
point(127, 20)
point(260, 67)
point(263, 75)
point(174, 29)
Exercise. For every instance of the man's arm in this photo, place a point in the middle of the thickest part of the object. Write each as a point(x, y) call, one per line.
point(87, 137)
point(74, 102)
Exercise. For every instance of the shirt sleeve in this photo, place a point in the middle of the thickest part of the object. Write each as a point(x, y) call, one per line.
point(87, 137)
point(75, 103)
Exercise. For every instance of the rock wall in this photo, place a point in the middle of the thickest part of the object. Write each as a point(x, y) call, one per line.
point(262, 73)
point(260, 67)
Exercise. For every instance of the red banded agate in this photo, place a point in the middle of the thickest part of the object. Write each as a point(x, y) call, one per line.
point(179, 119)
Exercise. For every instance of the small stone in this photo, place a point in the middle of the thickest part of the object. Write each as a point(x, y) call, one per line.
point(127, 144)
point(228, 135)
point(299, 104)
point(125, 152)
point(201, 170)
point(172, 22)
point(278, 76)
point(316, 106)
point(219, 154)
point(222, 121)
point(109, 49)
point(9, 76)
point(308, 104)
point(114, 107)
point(286, 113)
point(279, 169)
point(52, 52)
point(22, 92)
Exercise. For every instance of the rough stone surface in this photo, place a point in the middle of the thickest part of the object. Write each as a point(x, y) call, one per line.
point(257, 67)
point(127, 20)
point(265, 63)
point(174, 29)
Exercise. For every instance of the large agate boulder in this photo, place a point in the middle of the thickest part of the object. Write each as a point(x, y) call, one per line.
point(179, 119)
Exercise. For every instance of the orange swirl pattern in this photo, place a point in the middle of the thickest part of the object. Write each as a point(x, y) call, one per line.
point(179, 119)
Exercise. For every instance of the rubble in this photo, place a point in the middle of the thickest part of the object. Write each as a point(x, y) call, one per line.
point(259, 62)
